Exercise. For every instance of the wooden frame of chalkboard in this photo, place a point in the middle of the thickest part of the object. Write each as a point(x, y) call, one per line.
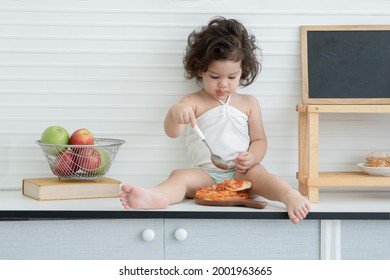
point(345, 64)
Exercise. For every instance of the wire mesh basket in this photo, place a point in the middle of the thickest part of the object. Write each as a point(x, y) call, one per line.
point(81, 161)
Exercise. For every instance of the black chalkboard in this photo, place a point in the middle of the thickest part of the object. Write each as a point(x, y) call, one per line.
point(347, 65)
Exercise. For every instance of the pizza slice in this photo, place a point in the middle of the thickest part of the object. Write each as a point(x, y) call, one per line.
point(210, 194)
point(233, 185)
point(225, 191)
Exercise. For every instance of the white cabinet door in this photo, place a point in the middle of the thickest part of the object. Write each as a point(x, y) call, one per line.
point(365, 240)
point(149, 239)
point(82, 239)
point(242, 239)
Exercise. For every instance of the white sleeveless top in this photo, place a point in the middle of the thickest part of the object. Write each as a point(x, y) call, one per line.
point(226, 131)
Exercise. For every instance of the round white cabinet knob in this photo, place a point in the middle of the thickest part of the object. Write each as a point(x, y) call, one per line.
point(181, 234)
point(148, 235)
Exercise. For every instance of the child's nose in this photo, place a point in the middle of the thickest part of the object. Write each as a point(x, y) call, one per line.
point(222, 84)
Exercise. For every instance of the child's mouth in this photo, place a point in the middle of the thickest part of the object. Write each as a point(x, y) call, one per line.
point(221, 92)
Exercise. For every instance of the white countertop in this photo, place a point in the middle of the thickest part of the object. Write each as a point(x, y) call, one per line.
point(14, 205)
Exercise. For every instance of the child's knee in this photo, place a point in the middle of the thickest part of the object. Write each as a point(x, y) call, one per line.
point(178, 173)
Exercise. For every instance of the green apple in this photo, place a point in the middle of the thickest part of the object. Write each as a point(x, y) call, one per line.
point(104, 162)
point(55, 135)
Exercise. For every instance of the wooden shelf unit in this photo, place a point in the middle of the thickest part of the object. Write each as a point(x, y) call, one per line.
point(309, 177)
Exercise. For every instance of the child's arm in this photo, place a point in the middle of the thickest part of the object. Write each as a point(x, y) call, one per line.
point(258, 139)
point(178, 116)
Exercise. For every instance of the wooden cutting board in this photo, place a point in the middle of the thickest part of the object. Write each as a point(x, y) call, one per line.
point(243, 202)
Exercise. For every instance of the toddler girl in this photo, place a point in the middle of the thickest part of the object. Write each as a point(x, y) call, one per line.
point(221, 57)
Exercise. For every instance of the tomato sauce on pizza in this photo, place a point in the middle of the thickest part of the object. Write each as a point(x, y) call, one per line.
point(227, 190)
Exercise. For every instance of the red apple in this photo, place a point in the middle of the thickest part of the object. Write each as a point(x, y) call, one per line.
point(65, 165)
point(88, 159)
point(81, 136)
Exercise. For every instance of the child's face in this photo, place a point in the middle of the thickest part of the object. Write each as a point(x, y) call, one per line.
point(222, 78)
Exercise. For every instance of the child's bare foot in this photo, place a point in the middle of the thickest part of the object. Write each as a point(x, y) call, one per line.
point(140, 198)
point(297, 206)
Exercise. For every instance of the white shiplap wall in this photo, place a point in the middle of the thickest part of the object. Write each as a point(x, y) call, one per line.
point(115, 67)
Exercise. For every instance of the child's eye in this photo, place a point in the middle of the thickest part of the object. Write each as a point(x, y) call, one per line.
point(214, 77)
point(232, 78)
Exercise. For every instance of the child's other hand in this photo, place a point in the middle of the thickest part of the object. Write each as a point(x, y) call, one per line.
point(243, 162)
point(183, 114)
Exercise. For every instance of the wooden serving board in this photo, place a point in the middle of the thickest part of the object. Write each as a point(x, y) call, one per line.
point(242, 202)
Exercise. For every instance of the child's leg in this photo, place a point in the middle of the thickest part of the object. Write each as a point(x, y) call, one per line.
point(274, 188)
point(181, 183)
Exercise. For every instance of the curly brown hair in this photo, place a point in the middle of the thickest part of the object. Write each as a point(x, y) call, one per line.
point(222, 39)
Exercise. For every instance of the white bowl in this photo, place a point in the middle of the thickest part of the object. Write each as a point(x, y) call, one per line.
point(375, 171)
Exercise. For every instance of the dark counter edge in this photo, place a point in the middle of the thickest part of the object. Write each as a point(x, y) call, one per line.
point(7, 215)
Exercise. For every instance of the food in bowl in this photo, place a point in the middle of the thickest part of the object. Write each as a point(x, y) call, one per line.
point(378, 159)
